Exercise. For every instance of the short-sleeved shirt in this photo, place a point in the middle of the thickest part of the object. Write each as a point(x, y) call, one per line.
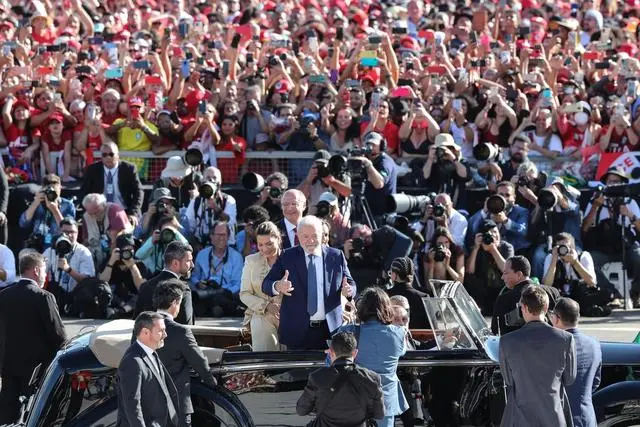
point(134, 139)
point(47, 138)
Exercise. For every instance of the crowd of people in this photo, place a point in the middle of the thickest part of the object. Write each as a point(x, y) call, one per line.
point(492, 117)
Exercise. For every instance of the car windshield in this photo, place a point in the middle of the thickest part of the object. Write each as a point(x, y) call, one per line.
point(449, 331)
point(470, 313)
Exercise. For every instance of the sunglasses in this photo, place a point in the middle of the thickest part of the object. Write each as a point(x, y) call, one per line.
point(108, 154)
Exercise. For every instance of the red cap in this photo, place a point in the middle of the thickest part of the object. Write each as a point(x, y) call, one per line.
point(56, 117)
point(360, 18)
point(135, 102)
point(7, 23)
point(282, 86)
point(193, 98)
point(409, 42)
point(372, 75)
point(538, 20)
point(20, 103)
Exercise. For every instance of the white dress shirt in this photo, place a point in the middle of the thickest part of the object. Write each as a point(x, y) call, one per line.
point(150, 352)
point(319, 264)
point(8, 264)
point(117, 197)
point(291, 232)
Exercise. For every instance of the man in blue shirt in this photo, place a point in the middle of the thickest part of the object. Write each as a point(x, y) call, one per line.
point(42, 218)
point(216, 278)
point(381, 174)
point(512, 221)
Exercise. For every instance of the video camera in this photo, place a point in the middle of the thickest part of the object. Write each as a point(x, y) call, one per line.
point(352, 165)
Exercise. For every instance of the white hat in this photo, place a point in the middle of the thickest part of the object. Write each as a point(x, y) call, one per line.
point(329, 198)
point(445, 140)
point(176, 168)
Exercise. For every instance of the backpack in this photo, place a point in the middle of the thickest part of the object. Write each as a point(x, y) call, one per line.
point(91, 299)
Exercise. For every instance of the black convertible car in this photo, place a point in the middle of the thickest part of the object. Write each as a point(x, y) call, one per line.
point(460, 384)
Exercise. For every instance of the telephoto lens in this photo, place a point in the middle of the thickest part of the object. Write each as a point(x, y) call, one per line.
point(167, 236)
point(439, 210)
point(563, 250)
point(275, 192)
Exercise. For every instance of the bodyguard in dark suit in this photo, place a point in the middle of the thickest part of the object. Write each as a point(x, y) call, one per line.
point(343, 394)
point(506, 314)
point(178, 261)
point(537, 363)
point(311, 278)
point(180, 351)
point(31, 332)
point(116, 179)
point(566, 315)
point(146, 393)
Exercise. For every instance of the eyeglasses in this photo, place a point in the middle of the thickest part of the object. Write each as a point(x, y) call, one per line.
point(108, 154)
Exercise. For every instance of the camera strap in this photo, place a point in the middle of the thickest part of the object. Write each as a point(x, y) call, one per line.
point(220, 265)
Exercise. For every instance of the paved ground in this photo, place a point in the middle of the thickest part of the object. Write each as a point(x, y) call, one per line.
point(621, 326)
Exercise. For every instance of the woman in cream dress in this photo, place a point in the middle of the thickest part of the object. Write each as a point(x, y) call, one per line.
point(263, 312)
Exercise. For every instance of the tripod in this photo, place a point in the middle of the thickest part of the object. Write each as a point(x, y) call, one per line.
point(620, 219)
point(358, 207)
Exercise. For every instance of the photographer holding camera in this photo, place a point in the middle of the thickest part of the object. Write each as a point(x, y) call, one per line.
point(211, 205)
point(305, 138)
point(271, 195)
point(381, 172)
point(444, 171)
point(321, 179)
point(328, 210)
point(572, 272)
point(179, 177)
point(607, 217)
point(528, 182)
point(557, 211)
point(68, 262)
point(485, 265)
point(445, 259)
point(124, 274)
point(42, 218)
point(512, 220)
point(161, 205)
point(215, 280)
point(151, 253)
point(441, 213)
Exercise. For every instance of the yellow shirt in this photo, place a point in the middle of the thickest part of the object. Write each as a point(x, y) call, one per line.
point(134, 139)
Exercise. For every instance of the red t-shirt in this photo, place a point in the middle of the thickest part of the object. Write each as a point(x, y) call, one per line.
point(46, 37)
point(618, 143)
point(47, 138)
point(108, 119)
point(390, 133)
point(229, 167)
point(18, 139)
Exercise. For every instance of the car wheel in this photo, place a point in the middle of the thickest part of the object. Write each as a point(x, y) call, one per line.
point(217, 407)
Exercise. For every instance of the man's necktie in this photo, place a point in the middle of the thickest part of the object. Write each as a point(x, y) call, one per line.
point(312, 299)
point(158, 365)
point(296, 242)
point(109, 188)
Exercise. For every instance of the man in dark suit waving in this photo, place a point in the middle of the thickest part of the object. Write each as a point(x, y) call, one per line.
point(537, 363)
point(146, 393)
point(117, 180)
point(312, 279)
point(180, 351)
point(178, 262)
point(31, 332)
point(565, 316)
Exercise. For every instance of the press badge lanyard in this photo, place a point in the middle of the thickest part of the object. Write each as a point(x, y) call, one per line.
point(220, 266)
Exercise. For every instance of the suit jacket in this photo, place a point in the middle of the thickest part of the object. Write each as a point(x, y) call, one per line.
point(589, 361)
point(359, 398)
point(145, 299)
point(144, 397)
point(286, 242)
point(294, 319)
point(418, 314)
point(537, 362)
point(40, 332)
point(128, 184)
point(180, 353)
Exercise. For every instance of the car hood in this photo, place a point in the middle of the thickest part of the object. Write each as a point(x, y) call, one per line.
point(613, 353)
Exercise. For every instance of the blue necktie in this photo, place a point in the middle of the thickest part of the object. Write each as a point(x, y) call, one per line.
point(312, 299)
point(109, 187)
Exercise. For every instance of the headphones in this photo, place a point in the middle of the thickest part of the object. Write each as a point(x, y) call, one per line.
point(378, 138)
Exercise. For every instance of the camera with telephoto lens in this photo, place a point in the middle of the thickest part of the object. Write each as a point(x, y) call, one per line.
point(161, 207)
point(439, 210)
point(496, 204)
point(323, 170)
point(357, 249)
point(547, 199)
point(275, 192)
point(486, 152)
point(487, 238)
point(563, 250)
point(208, 189)
point(50, 193)
point(406, 204)
point(63, 246)
point(439, 255)
point(523, 181)
point(167, 236)
point(323, 209)
point(126, 254)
